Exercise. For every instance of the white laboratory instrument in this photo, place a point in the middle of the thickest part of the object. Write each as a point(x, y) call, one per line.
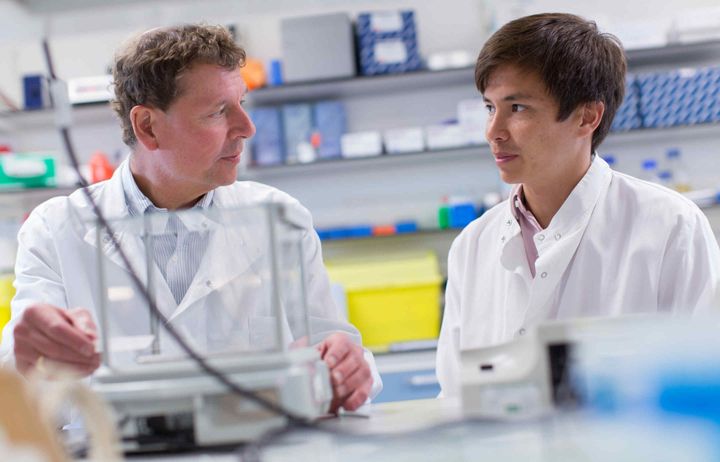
point(544, 369)
point(245, 312)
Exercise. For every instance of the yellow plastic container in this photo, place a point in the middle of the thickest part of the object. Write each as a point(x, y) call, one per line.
point(392, 300)
point(7, 292)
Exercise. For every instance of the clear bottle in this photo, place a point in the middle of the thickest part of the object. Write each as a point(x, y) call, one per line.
point(681, 178)
point(650, 171)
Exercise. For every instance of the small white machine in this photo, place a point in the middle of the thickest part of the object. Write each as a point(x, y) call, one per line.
point(245, 312)
point(538, 373)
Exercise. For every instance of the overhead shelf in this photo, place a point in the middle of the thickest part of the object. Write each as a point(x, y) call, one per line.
point(357, 86)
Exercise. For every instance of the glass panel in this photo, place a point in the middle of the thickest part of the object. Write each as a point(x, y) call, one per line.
point(228, 280)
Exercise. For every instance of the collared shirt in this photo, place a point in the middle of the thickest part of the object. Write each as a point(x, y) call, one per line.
point(177, 250)
point(529, 225)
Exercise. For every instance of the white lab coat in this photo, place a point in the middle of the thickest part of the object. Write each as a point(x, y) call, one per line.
point(57, 263)
point(617, 246)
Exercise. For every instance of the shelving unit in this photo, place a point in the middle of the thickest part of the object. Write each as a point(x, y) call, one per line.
point(391, 188)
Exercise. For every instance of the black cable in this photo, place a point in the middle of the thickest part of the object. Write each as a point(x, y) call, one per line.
point(293, 420)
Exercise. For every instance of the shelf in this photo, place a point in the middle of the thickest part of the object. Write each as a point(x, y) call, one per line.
point(341, 88)
point(86, 114)
point(396, 83)
point(676, 52)
point(330, 165)
point(418, 233)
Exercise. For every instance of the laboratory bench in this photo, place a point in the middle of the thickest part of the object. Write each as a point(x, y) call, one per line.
point(434, 430)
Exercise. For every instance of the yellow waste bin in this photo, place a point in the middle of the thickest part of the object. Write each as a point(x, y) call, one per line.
point(396, 299)
point(7, 292)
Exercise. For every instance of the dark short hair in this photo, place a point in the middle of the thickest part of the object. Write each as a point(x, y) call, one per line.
point(147, 70)
point(576, 62)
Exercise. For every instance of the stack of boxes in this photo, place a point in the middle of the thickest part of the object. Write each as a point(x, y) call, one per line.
point(680, 97)
point(298, 132)
point(628, 114)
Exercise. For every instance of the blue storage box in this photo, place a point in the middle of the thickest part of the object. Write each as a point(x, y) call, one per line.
point(297, 127)
point(331, 124)
point(628, 116)
point(267, 144)
point(387, 43)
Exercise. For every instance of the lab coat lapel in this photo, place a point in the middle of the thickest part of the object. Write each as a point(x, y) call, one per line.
point(230, 252)
point(566, 229)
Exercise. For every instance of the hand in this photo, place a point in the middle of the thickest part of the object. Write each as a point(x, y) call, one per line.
point(63, 336)
point(349, 372)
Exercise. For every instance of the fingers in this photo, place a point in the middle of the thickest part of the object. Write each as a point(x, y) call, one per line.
point(82, 319)
point(58, 326)
point(337, 346)
point(26, 359)
point(350, 374)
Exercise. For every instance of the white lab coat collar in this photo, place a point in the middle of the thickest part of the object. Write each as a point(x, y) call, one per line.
point(575, 211)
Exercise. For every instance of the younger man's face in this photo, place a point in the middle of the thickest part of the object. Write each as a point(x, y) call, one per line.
point(528, 142)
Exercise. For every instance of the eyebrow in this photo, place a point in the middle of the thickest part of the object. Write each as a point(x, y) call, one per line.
point(513, 97)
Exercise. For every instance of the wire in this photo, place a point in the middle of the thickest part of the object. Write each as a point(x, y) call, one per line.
point(293, 420)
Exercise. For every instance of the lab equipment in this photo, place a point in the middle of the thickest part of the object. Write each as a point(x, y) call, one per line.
point(245, 312)
point(592, 363)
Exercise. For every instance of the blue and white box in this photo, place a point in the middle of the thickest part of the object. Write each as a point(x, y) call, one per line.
point(680, 97)
point(267, 144)
point(627, 116)
point(297, 127)
point(387, 42)
point(331, 124)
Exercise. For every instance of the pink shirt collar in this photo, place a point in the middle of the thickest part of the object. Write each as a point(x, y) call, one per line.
point(529, 225)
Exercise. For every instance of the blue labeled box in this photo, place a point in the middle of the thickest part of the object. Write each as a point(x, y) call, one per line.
point(331, 124)
point(387, 43)
point(297, 128)
point(267, 144)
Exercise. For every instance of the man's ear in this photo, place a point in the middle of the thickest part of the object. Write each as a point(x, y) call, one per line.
point(143, 122)
point(591, 115)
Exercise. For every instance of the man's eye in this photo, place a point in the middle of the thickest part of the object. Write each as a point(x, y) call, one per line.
point(490, 108)
point(518, 107)
point(218, 113)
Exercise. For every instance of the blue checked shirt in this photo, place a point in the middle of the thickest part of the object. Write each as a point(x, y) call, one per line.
point(177, 250)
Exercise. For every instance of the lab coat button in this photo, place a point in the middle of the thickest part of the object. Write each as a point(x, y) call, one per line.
point(509, 222)
point(541, 237)
point(209, 284)
point(502, 239)
point(558, 236)
point(543, 275)
point(521, 331)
